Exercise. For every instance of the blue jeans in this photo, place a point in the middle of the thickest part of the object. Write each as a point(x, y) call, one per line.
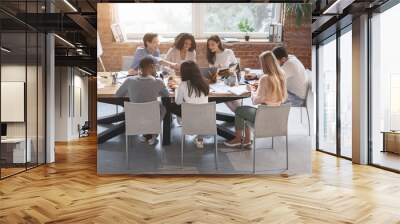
point(294, 100)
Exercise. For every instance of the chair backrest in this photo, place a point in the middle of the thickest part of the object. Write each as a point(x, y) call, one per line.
point(271, 121)
point(126, 62)
point(142, 118)
point(199, 119)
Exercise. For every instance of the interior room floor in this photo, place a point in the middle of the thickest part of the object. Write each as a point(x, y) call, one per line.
point(71, 191)
point(387, 159)
point(142, 158)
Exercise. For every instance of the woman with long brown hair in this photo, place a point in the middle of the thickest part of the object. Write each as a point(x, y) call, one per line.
point(193, 89)
point(270, 90)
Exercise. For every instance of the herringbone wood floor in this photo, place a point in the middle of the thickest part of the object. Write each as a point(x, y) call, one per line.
point(69, 191)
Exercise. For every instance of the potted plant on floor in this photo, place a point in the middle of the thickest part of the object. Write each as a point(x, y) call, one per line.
point(245, 27)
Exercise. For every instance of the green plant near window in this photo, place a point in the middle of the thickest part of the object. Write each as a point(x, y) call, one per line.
point(301, 12)
point(245, 26)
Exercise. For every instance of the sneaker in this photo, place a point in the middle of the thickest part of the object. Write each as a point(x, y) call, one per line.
point(142, 139)
point(152, 140)
point(232, 144)
point(199, 143)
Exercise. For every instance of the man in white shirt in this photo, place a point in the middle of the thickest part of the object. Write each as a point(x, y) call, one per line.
point(296, 79)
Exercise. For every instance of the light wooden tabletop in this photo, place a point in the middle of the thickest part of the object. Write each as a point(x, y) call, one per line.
point(105, 88)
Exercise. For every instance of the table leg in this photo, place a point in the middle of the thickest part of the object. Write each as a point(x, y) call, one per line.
point(225, 132)
point(111, 132)
point(225, 117)
point(111, 118)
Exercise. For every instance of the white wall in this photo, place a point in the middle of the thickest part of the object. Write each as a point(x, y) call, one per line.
point(71, 94)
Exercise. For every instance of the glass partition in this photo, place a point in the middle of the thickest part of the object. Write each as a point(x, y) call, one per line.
point(22, 77)
point(385, 89)
point(13, 88)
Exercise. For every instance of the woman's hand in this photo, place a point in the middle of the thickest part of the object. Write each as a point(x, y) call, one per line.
point(252, 87)
point(172, 84)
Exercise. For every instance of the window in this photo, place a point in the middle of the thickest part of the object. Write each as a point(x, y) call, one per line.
point(166, 19)
point(385, 87)
point(346, 94)
point(327, 96)
point(169, 19)
point(225, 22)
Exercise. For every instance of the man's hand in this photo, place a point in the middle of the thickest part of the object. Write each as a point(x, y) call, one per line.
point(176, 66)
point(132, 72)
point(250, 76)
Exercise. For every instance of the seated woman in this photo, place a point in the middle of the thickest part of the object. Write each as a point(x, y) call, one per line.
point(193, 89)
point(144, 88)
point(150, 49)
point(183, 49)
point(271, 90)
point(220, 57)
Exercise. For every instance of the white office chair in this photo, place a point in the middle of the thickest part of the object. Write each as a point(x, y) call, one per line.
point(271, 122)
point(126, 62)
point(305, 105)
point(199, 119)
point(141, 118)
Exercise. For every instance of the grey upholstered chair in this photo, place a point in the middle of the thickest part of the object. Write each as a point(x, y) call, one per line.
point(199, 119)
point(305, 105)
point(141, 118)
point(271, 121)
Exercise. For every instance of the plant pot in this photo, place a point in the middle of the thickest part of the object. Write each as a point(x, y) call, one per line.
point(247, 37)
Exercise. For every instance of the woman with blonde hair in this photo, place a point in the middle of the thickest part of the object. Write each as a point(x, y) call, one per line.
point(270, 90)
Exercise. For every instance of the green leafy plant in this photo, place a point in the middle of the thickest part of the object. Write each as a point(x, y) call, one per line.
point(245, 27)
point(301, 12)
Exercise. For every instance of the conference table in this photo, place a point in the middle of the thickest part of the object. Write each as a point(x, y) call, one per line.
point(106, 94)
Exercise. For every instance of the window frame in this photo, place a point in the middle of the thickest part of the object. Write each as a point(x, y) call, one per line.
point(198, 15)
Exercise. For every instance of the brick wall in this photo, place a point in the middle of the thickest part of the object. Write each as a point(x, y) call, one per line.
point(296, 39)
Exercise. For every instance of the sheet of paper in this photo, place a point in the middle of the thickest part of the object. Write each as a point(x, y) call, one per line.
point(238, 90)
point(219, 87)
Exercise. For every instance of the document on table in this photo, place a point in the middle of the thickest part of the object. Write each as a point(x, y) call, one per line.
point(238, 90)
point(220, 87)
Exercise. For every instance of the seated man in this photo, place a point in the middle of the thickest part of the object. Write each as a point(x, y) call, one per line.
point(296, 79)
point(150, 49)
point(144, 88)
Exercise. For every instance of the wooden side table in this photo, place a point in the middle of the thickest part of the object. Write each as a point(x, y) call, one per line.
point(391, 141)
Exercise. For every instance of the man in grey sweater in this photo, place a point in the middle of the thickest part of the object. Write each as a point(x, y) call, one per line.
point(145, 88)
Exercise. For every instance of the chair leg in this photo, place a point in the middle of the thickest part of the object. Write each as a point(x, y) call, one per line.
point(301, 115)
point(126, 148)
point(182, 146)
point(216, 152)
point(272, 142)
point(254, 155)
point(309, 122)
point(243, 134)
point(287, 153)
